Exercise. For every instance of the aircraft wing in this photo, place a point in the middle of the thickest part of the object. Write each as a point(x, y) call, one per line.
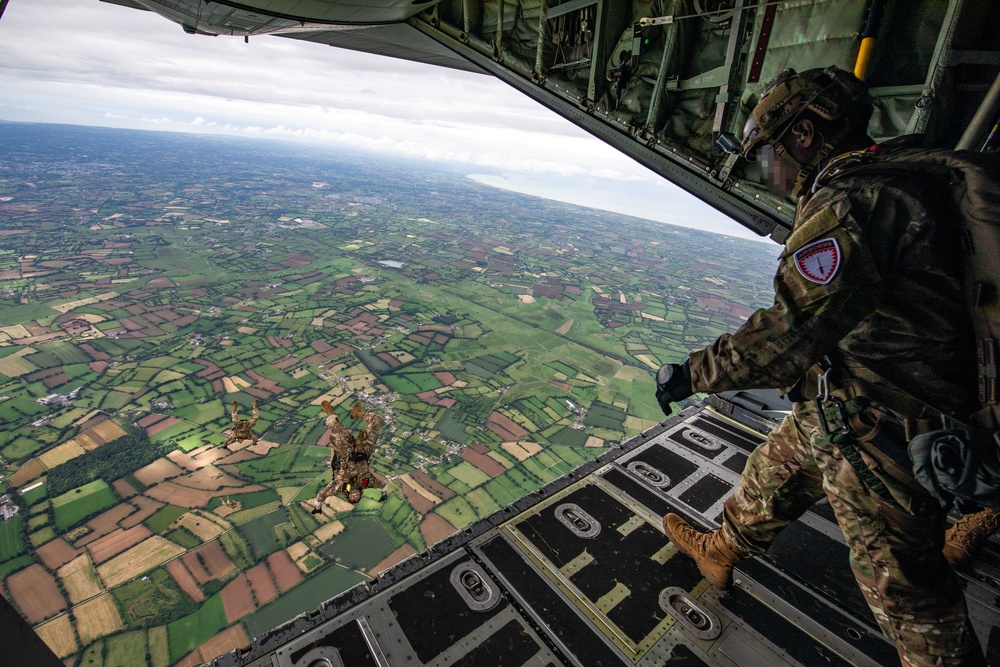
point(667, 82)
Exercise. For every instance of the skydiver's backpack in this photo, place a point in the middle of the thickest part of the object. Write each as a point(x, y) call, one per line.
point(960, 463)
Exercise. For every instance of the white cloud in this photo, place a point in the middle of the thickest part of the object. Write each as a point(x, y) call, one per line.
point(71, 60)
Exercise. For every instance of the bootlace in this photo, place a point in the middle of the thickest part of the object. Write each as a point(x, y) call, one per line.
point(971, 527)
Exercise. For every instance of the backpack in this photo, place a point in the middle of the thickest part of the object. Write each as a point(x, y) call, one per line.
point(960, 463)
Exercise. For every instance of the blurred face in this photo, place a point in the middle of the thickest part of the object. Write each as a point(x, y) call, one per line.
point(779, 172)
point(354, 496)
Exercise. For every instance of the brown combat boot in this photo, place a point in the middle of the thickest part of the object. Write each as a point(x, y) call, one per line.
point(714, 556)
point(357, 411)
point(968, 535)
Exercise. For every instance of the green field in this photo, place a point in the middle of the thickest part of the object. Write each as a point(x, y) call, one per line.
point(163, 517)
point(469, 474)
point(361, 545)
point(308, 595)
point(186, 634)
point(248, 500)
point(11, 543)
point(260, 532)
point(144, 600)
point(12, 566)
point(125, 650)
point(77, 504)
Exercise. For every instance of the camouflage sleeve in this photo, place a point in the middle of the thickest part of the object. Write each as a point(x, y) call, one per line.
point(826, 284)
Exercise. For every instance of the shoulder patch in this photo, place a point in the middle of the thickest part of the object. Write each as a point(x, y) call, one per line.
point(819, 261)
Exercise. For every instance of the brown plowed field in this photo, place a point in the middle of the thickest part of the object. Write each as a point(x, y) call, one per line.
point(203, 528)
point(183, 460)
point(56, 553)
point(123, 488)
point(237, 457)
point(161, 426)
point(64, 452)
point(224, 642)
point(80, 579)
point(435, 528)
point(107, 522)
point(208, 478)
point(149, 420)
point(184, 496)
point(419, 503)
point(208, 562)
point(262, 584)
point(111, 545)
point(108, 430)
point(157, 471)
point(438, 489)
point(209, 455)
point(97, 618)
point(30, 471)
point(147, 508)
point(35, 592)
point(397, 556)
point(286, 575)
point(58, 636)
point(144, 556)
point(184, 579)
point(89, 441)
point(484, 463)
point(237, 599)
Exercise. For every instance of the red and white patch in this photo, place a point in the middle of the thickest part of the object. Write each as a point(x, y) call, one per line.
point(818, 262)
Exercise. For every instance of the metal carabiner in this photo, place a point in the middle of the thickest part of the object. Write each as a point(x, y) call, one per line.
point(841, 414)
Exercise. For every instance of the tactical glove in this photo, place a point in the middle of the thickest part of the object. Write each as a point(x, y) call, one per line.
point(673, 383)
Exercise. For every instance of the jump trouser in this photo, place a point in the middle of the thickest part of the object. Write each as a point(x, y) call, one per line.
point(895, 542)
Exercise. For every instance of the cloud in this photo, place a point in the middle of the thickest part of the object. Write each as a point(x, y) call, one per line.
point(72, 60)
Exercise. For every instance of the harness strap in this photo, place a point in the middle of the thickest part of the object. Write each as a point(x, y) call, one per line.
point(868, 477)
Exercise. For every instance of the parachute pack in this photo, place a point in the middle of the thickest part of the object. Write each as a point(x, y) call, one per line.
point(962, 462)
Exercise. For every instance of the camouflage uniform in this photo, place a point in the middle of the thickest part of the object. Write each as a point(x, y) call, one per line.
point(892, 301)
point(241, 427)
point(351, 456)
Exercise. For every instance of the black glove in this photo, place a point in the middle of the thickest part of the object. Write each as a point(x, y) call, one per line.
point(673, 383)
point(317, 510)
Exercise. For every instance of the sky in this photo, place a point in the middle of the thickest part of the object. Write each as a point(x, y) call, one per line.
point(90, 63)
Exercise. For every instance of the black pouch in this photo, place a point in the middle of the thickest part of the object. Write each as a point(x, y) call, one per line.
point(959, 464)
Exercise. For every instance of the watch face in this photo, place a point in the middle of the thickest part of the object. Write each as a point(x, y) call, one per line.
point(664, 374)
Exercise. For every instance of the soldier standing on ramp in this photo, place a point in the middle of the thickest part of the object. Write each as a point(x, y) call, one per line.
point(869, 317)
point(351, 457)
point(241, 427)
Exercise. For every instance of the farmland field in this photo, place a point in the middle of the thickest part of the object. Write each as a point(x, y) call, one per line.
point(363, 543)
point(96, 618)
point(11, 544)
point(319, 588)
point(186, 634)
point(260, 532)
point(125, 650)
point(481, 390)
point(144, 556)
point(75, 505)
point(164, 517)
point(145, 599)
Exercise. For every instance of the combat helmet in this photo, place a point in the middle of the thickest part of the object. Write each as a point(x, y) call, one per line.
point(830, 93)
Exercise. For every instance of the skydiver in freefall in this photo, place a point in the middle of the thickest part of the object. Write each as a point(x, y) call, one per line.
point(351, 457)
point(241, 427)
